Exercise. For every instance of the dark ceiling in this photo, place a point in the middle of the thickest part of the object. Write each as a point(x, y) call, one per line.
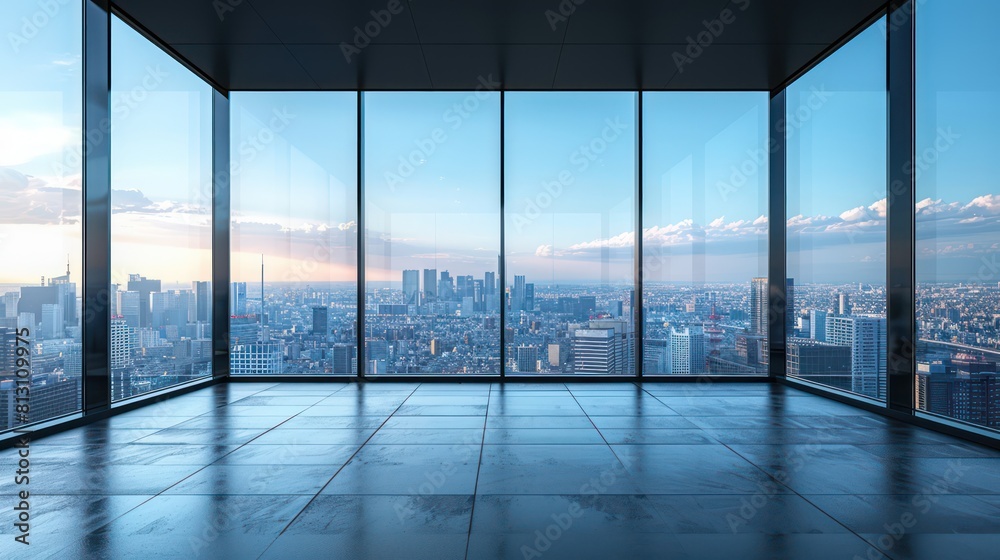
point(524, 44)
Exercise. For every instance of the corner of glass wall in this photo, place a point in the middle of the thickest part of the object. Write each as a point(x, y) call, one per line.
point(957, 220)
point(705, 227)
point(836, 133)
point(41, 234)
point(432, 233)
point(161, 208)
point(570, 227)
point(293, 297)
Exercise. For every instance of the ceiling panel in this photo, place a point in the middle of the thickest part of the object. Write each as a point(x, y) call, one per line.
point(357, 22)
point(524, 44)
point(475, 66)
point(200, 21)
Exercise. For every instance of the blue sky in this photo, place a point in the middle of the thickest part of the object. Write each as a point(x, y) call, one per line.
point(294, 195)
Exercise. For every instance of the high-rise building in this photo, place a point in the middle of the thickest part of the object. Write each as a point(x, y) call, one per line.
point(320, 321)
point(446, 287)
point(529, 296)
point(490, 283)
point(866, 337)
point(842, 303)
point(411, 287)
point(430, 284)
point(759, 292)
point(966, 389)
point(145, 287)
point(238, 299)
point(817, 324)
point(527, 359)
point(344, 360)
point(605, 346)
point(594, 351)
point(687, 351)
point(202, 292)
point(256, 358)
point(9, 300)
point(517, 296)
point(128, 308)
point(760, 306)
point(656, 352)
point(829, 364)
point(52, 321)
point(121, 343)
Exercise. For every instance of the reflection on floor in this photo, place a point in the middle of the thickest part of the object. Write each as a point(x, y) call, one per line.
point(519, 471)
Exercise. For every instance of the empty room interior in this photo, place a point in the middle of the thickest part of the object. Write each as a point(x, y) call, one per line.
point(484, 279)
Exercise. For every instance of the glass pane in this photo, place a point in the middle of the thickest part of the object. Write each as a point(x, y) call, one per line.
point(432, 203)
point(958, 210)
point(836, 130)
point(570, 232)
point(161, 217)
point(40, 213)
point(294, 233)
point(705, 233)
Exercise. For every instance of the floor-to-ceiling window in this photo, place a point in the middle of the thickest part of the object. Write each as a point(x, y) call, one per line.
point(161, 215)
point(432, 220)
point(570, 225)
point(958, 210)
point(40, 211)
point(836, 205)
point(704, 220)
point(293, 297)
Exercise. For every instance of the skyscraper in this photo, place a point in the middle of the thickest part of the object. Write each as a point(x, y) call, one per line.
point(145, 287)
point(517, 295)
point(687, 351)
point(760, 306)
point(527, 359)
point(606, 346)
point(320, 321)
point(430, 284)
point(202, 301)
point(128, 308)
point(594, 351)
point(759, 291)
point(964, 389)
point(867, 338)
point(817, 324)
point(121, 343)
point(842, 303)
point(344, 359)
point(411, 287)
point(829, 364)
point(490, 283)
point(52, 321)
point(238, 299)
